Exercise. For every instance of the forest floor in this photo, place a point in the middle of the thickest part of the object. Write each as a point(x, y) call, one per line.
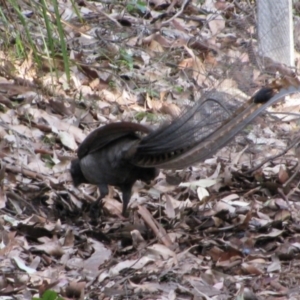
point(225, 228)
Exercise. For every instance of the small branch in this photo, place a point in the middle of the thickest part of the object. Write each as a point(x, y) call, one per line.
point(274, 156)
point(184, 4)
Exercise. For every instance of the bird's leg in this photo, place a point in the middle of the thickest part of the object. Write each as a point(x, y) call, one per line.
point(95, 207)
point(126, 195)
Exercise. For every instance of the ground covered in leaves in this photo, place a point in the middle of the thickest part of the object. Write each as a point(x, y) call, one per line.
point(226, 228)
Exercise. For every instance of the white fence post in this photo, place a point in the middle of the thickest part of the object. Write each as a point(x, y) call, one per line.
point(275, 30)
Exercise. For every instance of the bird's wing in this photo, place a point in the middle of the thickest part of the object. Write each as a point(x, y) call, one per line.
point(103, 136)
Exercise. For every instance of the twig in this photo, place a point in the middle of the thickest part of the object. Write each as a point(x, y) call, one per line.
point(274, 156)
point(13, 195)
point(292, 177)
point(184, 4)
point(281, 193)
point(95, 8)
point(284, 113)
point(158, 230)
point(252, 191)
point(25, 172)
point(294, 190)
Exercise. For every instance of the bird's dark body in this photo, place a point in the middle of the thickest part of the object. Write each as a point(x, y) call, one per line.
point(118, 154)
point(109, 165)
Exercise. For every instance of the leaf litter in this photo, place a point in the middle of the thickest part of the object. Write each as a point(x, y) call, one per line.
point(221, 229)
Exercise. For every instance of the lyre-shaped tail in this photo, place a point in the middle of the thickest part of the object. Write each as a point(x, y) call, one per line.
point(199, 133)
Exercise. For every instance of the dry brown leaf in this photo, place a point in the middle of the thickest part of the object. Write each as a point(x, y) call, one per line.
point(216, 23)
point(156, 47)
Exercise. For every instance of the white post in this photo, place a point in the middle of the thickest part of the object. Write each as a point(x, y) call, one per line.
point(275, 30)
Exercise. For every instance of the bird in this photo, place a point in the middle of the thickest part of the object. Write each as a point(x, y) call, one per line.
point(104, 158)
point(119, 154)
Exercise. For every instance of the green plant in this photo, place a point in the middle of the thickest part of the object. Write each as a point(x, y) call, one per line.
point(178, 89)
point(49, 139)
point(136, 6)
point(42, 37)
point(112, 84)
point(126, 59)
point(62, 40)
point(49, 295)
point(150, 117)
